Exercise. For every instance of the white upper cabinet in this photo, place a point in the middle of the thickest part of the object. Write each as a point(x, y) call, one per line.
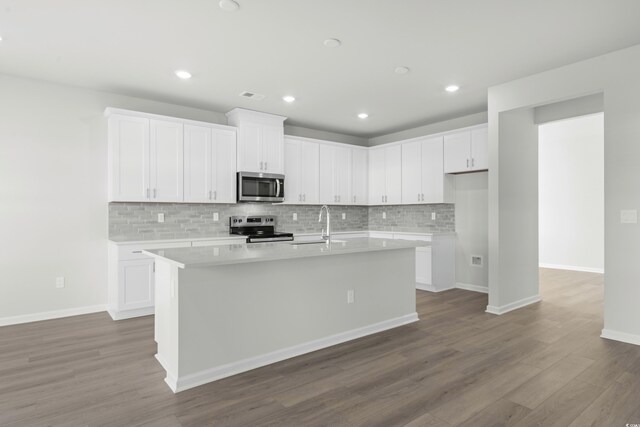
point(209, 164)
point(359, 176)
point(385, 175)
point(423, 179)
point(335, 174)
point(301, 163)
point(260, 140)
point(167, 163)
point(466, 151)
point(163, 159)
point(128, 158)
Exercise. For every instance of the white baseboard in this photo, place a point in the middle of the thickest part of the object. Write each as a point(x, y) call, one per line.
point(514, 305)
point(572, 268)
point(621, 336)
point(474, 288)
point(206, 376)
point(431, 288)
point(49, 315)
point(121, 315)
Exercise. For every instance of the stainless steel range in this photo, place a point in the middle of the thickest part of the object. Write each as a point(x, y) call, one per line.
point(257, 229)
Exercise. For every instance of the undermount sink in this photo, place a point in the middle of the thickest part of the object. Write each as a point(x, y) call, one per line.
point(315, 242)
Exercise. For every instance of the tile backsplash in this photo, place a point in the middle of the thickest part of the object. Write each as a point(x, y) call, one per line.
point(139, 221)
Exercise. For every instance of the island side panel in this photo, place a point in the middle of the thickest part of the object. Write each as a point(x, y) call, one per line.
point(237, 312)
point(166, 321)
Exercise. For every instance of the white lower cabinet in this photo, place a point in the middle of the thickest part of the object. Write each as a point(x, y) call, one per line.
point(131, 274)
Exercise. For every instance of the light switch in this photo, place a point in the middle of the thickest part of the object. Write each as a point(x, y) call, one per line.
point(60, 282)
point(384, 215)
point(295, 216)
point(160, 217)
point(344, 215)
point(433, 216)
point(629, 216)
point(216, 217)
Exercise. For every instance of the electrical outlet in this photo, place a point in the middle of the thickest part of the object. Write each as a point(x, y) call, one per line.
point(433, 216)
point(216, 217)
point(629, 216)
point(295, 216)
point(344, 215)
point(384, 215)
point(60, 282)
point(160, 217)
point(350, 296)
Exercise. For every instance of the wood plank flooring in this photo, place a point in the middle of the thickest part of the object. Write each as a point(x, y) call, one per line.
point(541, 365)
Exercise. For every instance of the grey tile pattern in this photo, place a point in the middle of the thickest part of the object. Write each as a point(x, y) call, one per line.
point(413, 218)
point(139, 221)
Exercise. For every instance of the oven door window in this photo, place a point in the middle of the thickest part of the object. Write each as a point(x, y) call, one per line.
point(258, 187)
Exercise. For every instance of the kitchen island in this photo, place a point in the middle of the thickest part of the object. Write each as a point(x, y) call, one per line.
point(227, 309)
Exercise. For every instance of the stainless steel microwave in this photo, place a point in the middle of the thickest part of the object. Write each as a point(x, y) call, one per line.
point(260, 187)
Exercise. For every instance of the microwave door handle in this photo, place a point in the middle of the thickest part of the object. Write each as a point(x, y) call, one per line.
point(277, 188)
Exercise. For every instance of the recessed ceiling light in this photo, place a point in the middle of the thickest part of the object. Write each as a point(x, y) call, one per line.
point(229, 5)
point(184, 75)
point(332, 42)
point(363, 115)
point(401, 70)
point(288, 98)
point(452, 88)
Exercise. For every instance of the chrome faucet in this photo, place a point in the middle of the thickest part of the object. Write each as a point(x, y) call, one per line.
point(327, 236)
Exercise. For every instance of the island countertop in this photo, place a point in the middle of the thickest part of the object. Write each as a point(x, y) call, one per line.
point(257, 252)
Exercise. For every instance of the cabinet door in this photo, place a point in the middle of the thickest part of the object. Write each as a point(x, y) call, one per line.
point(327, 184)
point(393, 174)
point(166, 161)
point(129, 158)
point(423, 265)
point(342, 174)
point(250, 148)
point(224, 166)
point(412, 172)
point(457, 155)
point(376, 176)
point(309, 174)
point(359, 176)
point(272, 149)
point(197, 164)
point(136, 284)
point(292, 178)
point(433, 171)
point(479, 149)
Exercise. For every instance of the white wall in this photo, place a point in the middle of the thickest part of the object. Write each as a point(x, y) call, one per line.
point(471, 229)
point(53, 192)
point(571, 198)
point(617, 75)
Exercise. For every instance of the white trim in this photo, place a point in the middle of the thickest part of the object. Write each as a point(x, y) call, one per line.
point(571, 267)
point(514, 305)
point(49, 315)
point(474, 288)
point(208, 375)
point(431, 288)
point(620, 336)
point(128, 314)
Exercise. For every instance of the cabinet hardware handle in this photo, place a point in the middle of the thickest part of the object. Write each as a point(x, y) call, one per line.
point(299, 197)
point(209, 194)
point(304, 197)
point(423, 197)
point(265, 166)
point(136, 252)
point(473, 162)
point(155, 193)
point(467, 162)
point(215, 194)
point(418, 196)
point(148, 193)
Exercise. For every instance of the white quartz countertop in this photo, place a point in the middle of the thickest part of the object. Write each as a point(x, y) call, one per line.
point(212, 236)
point(257, 252)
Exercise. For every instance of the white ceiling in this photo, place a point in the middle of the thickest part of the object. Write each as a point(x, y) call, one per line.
point(275, 47)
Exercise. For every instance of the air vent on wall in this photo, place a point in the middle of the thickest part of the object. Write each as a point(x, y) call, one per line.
point(476, 260)
point(251, 95)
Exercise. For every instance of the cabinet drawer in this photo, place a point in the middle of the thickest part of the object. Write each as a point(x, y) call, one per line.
point(127, 252)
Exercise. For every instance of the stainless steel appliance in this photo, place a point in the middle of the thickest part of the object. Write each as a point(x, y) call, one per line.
point(260, 187)
point(257, 229)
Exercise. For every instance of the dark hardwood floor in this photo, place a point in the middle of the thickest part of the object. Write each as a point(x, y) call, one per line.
point(541, 365)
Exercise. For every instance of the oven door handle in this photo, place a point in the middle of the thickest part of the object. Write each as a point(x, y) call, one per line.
point(278, 188)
